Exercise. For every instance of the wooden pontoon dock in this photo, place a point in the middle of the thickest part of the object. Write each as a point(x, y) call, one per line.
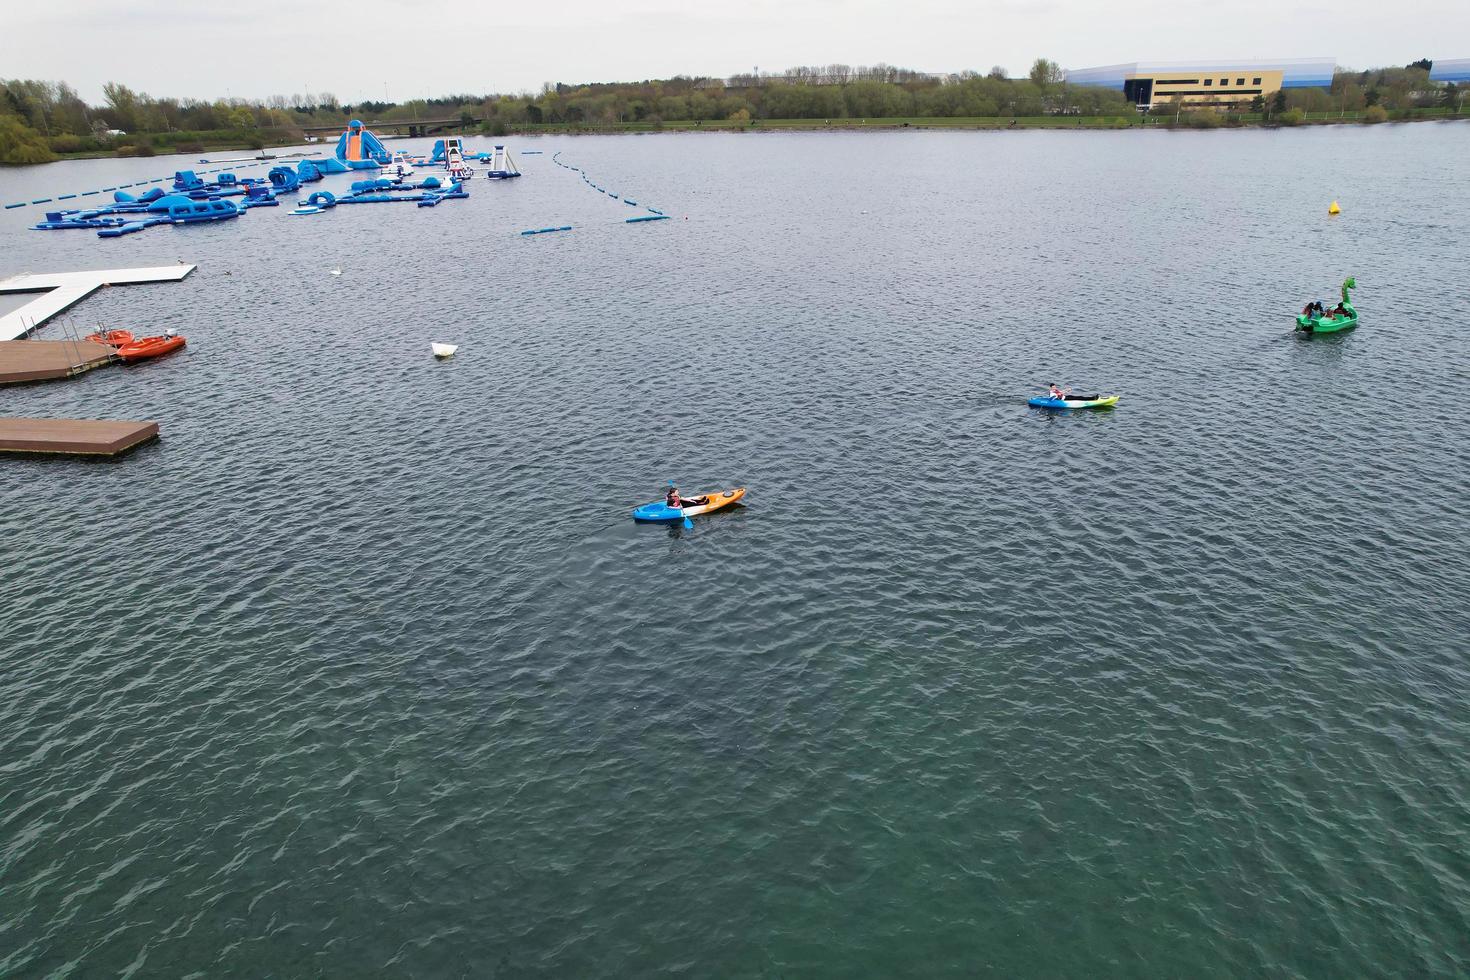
point(73, 437)
point(43, 360)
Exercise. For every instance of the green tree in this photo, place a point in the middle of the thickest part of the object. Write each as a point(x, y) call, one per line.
point(122, 105)
point(1278, 104)
point(20, 143)
point(1045, 73)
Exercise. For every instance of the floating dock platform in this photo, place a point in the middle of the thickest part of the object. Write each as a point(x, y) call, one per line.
point(22, 361)
point(73, 437)
point(60, 291)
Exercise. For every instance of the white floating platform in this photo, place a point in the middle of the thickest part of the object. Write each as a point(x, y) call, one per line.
point(60, 291)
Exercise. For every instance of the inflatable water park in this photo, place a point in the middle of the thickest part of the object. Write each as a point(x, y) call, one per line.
point(193, 198)
point(221, 194)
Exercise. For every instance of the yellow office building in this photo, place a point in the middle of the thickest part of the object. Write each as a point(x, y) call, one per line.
point(1224, 83)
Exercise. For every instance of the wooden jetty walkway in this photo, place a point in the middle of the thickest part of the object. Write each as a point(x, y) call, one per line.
point(62, 290)
point(42, 360)
point(74, 437)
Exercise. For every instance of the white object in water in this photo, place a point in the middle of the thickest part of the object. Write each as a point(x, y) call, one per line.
point(310, 209)
point(399, 165)
point(337, 271)
point(442, 351)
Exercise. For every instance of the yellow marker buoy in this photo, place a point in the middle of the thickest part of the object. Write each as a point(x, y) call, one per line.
point(1333, 208)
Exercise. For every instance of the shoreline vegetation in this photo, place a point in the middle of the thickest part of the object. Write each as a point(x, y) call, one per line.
point(45, 121)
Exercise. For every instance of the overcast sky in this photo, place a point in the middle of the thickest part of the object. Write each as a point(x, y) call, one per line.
point(407, 49)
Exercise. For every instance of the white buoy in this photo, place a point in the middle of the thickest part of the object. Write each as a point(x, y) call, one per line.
point(442, 351)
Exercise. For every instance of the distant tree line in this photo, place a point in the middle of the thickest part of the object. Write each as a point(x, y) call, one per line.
point(816, 92)
point(40, 120)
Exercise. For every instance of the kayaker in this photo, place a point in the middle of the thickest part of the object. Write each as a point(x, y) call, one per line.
point(1056, 393)
point(673, 499)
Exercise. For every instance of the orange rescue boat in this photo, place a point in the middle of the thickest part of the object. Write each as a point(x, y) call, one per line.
point(148, 347)
point(112, 338)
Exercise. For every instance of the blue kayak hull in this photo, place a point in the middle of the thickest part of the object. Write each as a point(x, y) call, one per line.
point(658, 511)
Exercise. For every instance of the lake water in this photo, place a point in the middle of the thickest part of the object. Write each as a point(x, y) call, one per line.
point(363, 669)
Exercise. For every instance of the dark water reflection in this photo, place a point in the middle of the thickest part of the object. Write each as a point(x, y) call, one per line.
point(362, 669)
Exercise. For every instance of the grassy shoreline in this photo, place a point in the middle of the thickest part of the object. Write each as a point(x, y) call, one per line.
point(1231, 121)
point(991, 123)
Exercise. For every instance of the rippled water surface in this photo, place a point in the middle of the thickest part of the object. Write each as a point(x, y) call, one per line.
point(362, 669)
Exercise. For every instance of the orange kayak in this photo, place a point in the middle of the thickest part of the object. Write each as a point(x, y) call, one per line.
point(715, 500)
point(145, 347)
point(718, 499)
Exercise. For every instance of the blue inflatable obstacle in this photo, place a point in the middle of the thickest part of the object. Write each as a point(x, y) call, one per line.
point(284, 179)
point(646, 217)
point(502, 167)
point(384, 191)
point(183, 211)
point(128, 227)
point(259, 196)
point(359, 149)
point(225, 185)
point(307, 172)
point(323, 166)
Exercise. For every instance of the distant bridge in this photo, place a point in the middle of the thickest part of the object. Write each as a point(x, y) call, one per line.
point(409, 127)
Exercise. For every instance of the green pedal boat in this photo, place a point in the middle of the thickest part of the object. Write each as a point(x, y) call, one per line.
point(1328, 322)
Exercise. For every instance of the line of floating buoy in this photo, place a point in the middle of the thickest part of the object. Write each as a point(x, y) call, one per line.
point(138, 183)
point(654, 214)
point(543, 231)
